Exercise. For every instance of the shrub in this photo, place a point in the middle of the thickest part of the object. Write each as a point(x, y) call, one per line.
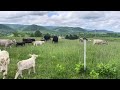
point(108, 70)
point(72, 37)
point(93, 74)
point(79, 68)
point(60, 68)
point(60, 72)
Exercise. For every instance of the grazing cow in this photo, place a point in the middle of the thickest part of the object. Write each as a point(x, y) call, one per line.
point(4, 61)
point(82, 39)
point(28, 40)
point(33, 39)
point(89, 40)
point(7, 42)
point(36, 43)
point(20, 44)
point(55, 39)
point(26, 64)
point(42, 40)
point(99, 41)
point(47, 37)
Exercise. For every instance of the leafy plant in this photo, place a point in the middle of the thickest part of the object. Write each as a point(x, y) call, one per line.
point(79, 68)
point(60, 71)
point(60, 68)
point(108, 70)
point(93, 74)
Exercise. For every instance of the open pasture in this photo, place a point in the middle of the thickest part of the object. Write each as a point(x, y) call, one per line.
point(66, 53)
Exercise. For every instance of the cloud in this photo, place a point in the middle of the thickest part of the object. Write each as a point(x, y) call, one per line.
point(87, 19)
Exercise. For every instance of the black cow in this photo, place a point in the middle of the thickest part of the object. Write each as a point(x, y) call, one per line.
point(28, 40)
point(42, 40)
point(33, 39)
point(55, 39)
point(47, 37)
point(20, 44)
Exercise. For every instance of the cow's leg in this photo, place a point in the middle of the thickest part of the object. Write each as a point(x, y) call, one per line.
point(29, 71)
point(34, 69)
point(17, 74)
point(10, 46)
point(21, 74)
point(4, 75)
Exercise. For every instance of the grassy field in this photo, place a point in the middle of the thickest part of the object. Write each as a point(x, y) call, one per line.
point(66, 53)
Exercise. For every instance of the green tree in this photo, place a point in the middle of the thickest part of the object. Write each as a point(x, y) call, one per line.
point(66, 37)
point(32, 35)
point(16, 34)
point(37, 33)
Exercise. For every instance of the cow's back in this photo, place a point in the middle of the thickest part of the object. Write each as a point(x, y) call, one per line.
point(4, 41)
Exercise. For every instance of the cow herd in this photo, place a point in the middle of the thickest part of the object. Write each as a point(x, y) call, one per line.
point(8, 43)
point(23, 64)
point(30, 62)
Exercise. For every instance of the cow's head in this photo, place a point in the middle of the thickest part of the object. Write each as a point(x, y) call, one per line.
point(33, 55)
point(13, 41)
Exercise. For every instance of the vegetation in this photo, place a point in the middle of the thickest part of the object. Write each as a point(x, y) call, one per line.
point(65, 59)
point(71, 37)
point(94, 74)
point(10, 28)
point(36, 34)
point(58, 61)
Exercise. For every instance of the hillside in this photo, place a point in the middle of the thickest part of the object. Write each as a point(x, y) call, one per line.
point(17, 26)
point(9, 28)
point(4, 29)
point(34, 28)
point(101, 31)
point(68, 30)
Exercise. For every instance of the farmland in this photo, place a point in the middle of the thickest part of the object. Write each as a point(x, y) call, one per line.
point(67, 53)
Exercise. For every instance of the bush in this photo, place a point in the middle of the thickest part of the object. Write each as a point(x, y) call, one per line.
point(107, 70)
point(60, 68)
point(71, 37)
point(79, 68)
point(60, 72)
point(16, 34)
point(93, 74)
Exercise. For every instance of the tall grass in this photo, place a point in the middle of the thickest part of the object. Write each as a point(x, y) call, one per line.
point(66, 53)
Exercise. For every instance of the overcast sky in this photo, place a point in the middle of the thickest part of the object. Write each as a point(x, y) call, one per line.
point(109, 20)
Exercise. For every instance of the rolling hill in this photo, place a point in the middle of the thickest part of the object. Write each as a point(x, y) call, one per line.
point(9, 28)
point(4, 29)
point(17, 26)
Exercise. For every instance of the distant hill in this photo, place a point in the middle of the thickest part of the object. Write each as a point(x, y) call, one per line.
point(9, 28)
point(35, 28)
point(68, 30)
point(17, 26)
point(101, 31)
point(4, 29)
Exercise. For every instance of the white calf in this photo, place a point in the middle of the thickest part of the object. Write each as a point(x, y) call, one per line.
point(4, 61)
point(26, 64)
point(36, 43)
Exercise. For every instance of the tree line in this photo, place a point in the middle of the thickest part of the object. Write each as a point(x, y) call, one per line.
point(67, 36)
